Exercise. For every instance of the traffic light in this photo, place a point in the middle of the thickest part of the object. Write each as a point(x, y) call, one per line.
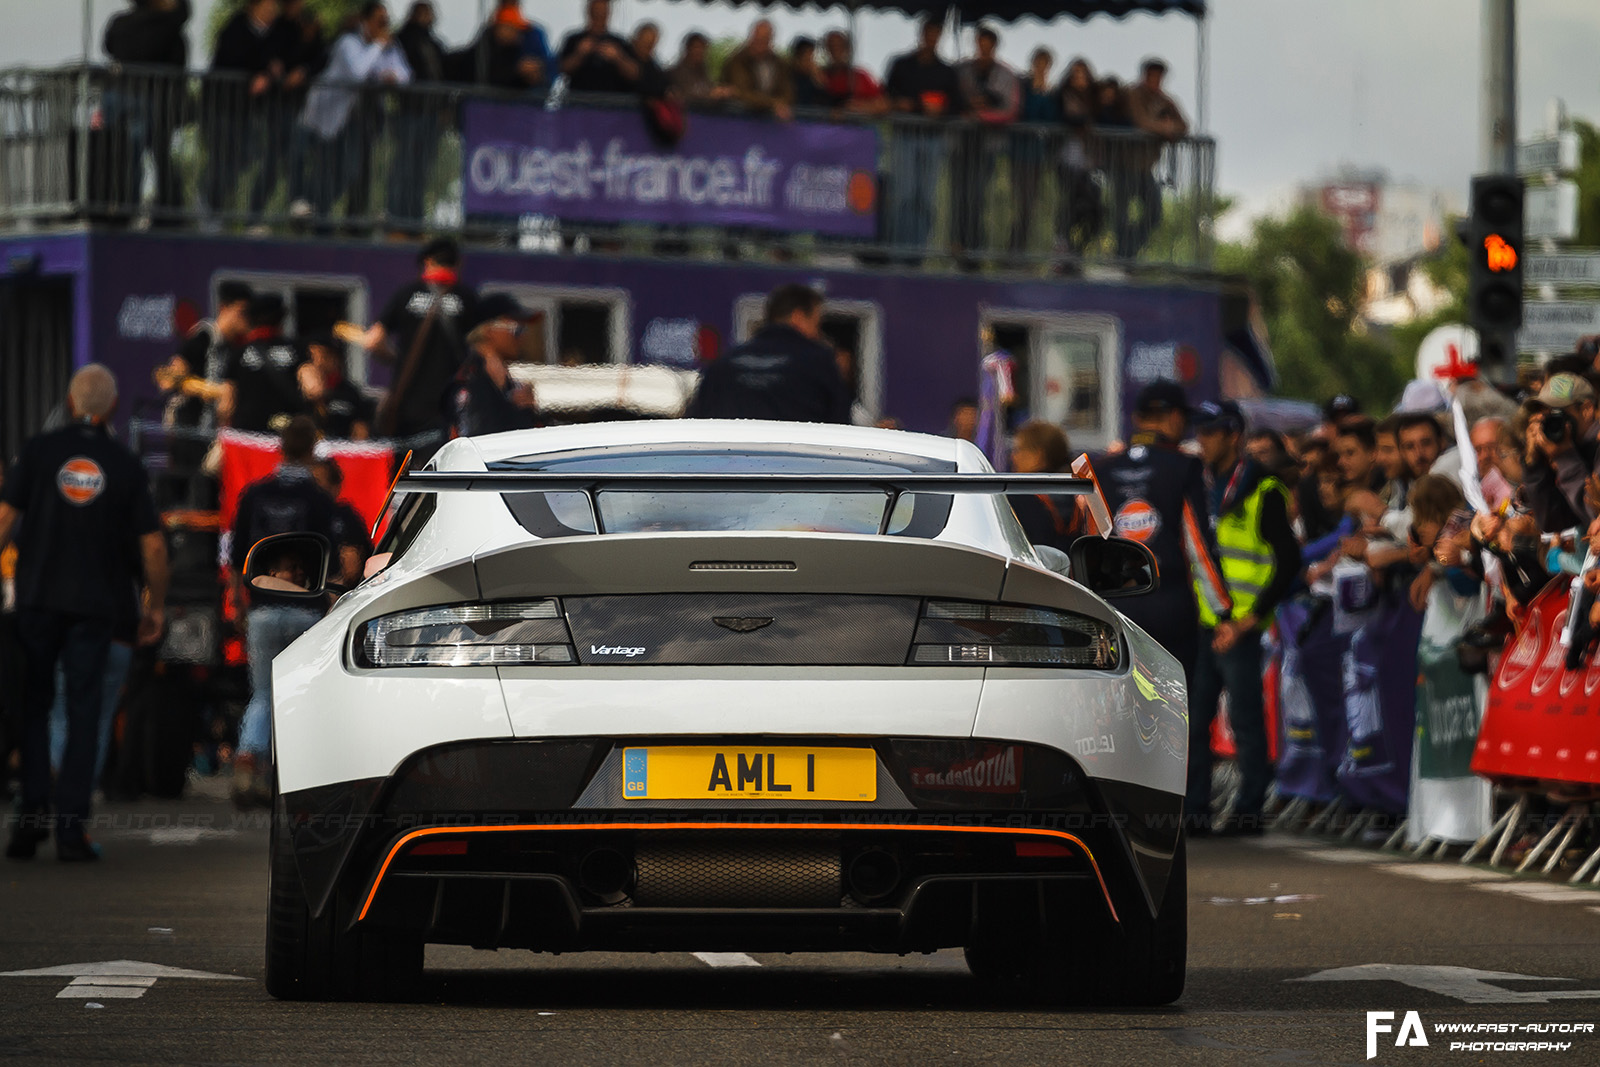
point(1494, 242)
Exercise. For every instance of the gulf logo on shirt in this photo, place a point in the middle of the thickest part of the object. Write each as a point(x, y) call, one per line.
point(80, 480)
point(1137, 521)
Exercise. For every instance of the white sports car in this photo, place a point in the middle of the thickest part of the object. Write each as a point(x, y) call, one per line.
point(730, 686)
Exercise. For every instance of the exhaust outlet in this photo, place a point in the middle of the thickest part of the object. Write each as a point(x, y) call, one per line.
point(607, 875)
point(873, 875)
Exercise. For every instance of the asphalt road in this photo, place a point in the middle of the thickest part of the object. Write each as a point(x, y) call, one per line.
point(184, 886)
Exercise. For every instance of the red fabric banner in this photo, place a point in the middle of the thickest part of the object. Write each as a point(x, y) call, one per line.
point(1543, 721)
point(249, 457)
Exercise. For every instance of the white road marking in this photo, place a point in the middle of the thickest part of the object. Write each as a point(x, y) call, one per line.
point(1460, 983)
point(725, 959)
point(124, 968)
point(1442, 872)
point(1544, 892)
point(114, 979)
point(108, 986)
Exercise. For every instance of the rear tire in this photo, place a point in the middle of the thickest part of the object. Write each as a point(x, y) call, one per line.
point(1037, 945)
point(318, 958)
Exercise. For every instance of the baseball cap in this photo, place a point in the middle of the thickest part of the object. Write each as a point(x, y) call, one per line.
point(1218, 415)
point(1564, 390)
point(1160, 397)
point(1153, 63)
point(502, 306)
point(1340, 406)
point(511, 16)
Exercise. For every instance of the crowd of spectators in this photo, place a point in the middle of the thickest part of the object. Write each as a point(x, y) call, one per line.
point(1397, 512)
point(286, 109)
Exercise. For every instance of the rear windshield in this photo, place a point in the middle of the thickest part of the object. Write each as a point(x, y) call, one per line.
point(567, 514)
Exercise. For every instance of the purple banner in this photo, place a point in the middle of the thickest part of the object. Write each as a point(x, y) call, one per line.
point(1380, 696)
point(603, 166)
point(1311, 702)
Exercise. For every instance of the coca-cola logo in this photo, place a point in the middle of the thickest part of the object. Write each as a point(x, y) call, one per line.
point(1524, 652)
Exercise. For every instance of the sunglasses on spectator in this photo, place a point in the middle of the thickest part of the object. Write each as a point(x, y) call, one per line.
point(512, 326)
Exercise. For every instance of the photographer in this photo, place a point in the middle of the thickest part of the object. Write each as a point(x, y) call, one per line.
point(1560, 484)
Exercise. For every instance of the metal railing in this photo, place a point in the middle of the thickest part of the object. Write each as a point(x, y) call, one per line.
point(163, 148)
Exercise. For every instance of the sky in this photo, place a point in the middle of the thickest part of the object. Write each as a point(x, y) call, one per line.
point(1298, 88)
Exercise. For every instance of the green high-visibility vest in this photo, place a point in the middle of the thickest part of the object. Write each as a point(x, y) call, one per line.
point(1247, 560)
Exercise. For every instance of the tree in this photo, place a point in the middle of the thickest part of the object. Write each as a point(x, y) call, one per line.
point(1309, 286)
point(332, 14)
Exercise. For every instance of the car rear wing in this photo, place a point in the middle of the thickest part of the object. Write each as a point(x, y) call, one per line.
point(891, 486)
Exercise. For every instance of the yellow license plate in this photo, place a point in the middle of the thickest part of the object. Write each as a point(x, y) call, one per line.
point(670, 772)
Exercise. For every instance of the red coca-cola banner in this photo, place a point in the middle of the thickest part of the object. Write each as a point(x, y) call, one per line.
point(1543, 721)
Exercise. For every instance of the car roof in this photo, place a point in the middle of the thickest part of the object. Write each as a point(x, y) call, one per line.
point(496, 448)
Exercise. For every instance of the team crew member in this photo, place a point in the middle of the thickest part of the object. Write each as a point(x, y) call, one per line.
point(422, 332)
point(786, 371)
point(1157, 496)
point(83, 503)
point(1042, 448)
point(337, 406)
point(1260, 559)
point(351, 542)
point(287, 501)
point(486, 398)
point(195, 373)
point(263, 380)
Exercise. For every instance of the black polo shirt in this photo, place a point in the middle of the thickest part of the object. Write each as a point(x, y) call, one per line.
point(287, 501)
point(85, 502)
point(342, 406)
point(778, 374)
point(442, 351)
point(266, 383)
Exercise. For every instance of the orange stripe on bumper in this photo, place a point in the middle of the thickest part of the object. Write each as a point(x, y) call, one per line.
point(431, 831)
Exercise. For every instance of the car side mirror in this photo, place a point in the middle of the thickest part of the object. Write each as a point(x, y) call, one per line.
point(1114, 566)
point(290, 565)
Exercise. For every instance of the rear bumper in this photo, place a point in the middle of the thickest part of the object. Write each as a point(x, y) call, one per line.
point(489, 844)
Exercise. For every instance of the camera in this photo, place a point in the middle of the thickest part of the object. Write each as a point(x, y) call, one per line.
point(1557, 426)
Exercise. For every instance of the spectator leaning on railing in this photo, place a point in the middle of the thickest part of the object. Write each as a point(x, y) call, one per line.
point(418, 119)
point(594, 59)
point(690, 77)
point(1033, 144)
point(995, 96)
point(1155, 113)
point(759, 76)
point(341, 149)
point(235, 104)
point(149, 110)
point(810, 87)
point(920, 83)
point(850, 89)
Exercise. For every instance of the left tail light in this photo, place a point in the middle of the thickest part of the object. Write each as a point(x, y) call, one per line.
point(960, 633)
point(497, 634)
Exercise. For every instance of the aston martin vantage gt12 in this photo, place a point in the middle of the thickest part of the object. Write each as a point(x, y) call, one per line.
point(731, 686)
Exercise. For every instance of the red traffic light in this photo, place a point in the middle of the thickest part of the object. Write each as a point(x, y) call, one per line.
point(1501, 256)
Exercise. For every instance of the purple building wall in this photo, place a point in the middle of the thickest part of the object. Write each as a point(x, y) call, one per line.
point(127, 284)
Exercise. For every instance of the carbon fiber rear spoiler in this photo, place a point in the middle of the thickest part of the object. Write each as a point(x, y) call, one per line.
point(892, 486)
